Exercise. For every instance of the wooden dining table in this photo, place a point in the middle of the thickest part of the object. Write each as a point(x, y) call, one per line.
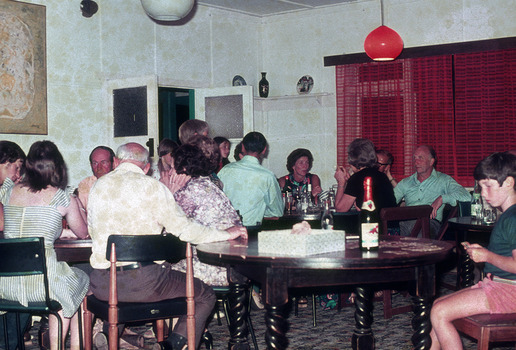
point(399, 259)
point(73, 250)
point(472, 230)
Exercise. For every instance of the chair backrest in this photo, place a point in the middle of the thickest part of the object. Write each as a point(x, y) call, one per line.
point(420, 213)
point(448, 213)
point(24, 257)
point(348, 221)
point(464, 208)
point(146, 248)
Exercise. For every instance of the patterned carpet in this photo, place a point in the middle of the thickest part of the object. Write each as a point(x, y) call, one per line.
point(333, 331)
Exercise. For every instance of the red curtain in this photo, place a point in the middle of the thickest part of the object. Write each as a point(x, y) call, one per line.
point(397, 105)
point(462, 105)
point(485, 107)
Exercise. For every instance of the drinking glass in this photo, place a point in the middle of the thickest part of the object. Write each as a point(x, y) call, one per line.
point(489, 216)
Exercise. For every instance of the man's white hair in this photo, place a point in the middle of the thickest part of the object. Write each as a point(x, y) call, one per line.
point(134, 152)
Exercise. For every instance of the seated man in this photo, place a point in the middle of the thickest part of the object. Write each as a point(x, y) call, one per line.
point(191, 128)
point(428, 187)
point(384, 163)
point(252, 189)
point(127, 201)
point(101, 162)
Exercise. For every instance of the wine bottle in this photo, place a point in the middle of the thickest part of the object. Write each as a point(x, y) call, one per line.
point(311, 200)
point(369, 219)
point(327, 218)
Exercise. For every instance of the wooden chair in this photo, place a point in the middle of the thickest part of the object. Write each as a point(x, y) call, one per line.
point(420, 213)
point(448, 213)
point(26, 257)
point(488, 328)
point(142, 248)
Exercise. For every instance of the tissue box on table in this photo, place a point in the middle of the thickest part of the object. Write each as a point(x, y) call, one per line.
point(283, 242)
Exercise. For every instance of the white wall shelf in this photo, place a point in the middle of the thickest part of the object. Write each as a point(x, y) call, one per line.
point(287, 102)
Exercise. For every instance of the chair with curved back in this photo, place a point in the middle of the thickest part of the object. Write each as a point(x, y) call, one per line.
point(420, 213)
point(143, 249)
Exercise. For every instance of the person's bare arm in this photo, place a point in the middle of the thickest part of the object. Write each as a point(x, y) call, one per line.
point(480, 254)
point(75, 216)
point(393, 181)
point(435, 206)
point(343, 202)
point(316, 185)
point(281, 182)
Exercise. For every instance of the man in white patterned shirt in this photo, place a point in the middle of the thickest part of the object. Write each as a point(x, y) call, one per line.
point(127, 201)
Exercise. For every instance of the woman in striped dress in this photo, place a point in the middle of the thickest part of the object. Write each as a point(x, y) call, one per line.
point(35, 207)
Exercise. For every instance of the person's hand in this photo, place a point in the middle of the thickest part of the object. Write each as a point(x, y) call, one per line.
point(388, 171)
point(177, 181)
point(341, 175)
point(316, 190)
point(476, 252)
point(237, 231)
point(435, 206)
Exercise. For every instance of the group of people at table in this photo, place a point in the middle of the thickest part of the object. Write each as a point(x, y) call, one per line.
point(201, 197)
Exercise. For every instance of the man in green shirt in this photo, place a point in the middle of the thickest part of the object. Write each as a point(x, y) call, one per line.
point(252, 189)
point(428, 187)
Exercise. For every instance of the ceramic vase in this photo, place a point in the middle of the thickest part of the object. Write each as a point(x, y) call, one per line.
point(263, 86)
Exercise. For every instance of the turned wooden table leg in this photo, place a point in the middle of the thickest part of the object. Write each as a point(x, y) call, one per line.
point(238, 300)
point(421, 323)
point(363, 338)
point(275, 335)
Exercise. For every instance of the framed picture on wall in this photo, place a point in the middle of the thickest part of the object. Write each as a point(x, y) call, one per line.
point(23, 74)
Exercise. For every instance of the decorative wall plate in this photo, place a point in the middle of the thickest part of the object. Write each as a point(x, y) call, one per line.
point(305, 84)
point(238, 81)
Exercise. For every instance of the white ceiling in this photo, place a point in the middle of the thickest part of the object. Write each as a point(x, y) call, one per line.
point(264, 8)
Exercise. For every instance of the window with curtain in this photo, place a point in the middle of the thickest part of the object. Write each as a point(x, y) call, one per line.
point(432, 100)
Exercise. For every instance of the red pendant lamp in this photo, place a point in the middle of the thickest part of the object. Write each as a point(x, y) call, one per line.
point(383, 43)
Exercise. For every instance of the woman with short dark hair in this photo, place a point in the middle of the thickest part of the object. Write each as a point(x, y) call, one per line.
point(299, 164)
point(34, 208)
point(204, 202)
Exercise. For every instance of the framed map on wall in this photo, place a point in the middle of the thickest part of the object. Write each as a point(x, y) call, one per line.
point(23, 74)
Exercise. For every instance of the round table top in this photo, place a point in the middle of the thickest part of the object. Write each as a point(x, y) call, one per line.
point(394, 252)
point(470, 223)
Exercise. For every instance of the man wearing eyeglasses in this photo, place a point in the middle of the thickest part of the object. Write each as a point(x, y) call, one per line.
point(384, 162)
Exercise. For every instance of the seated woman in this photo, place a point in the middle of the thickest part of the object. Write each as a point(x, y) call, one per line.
point(204, 202)
point(211, 150)
point(299, 163)
point(362, 160)
point(165, 149)
point(34, 208)
point(237, 153)
point(496, 293)
point(224, 148)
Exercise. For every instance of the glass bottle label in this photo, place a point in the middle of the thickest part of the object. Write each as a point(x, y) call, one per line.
point(369, 235)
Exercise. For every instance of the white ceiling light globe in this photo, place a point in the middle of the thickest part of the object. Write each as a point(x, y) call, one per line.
point(167, 10)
